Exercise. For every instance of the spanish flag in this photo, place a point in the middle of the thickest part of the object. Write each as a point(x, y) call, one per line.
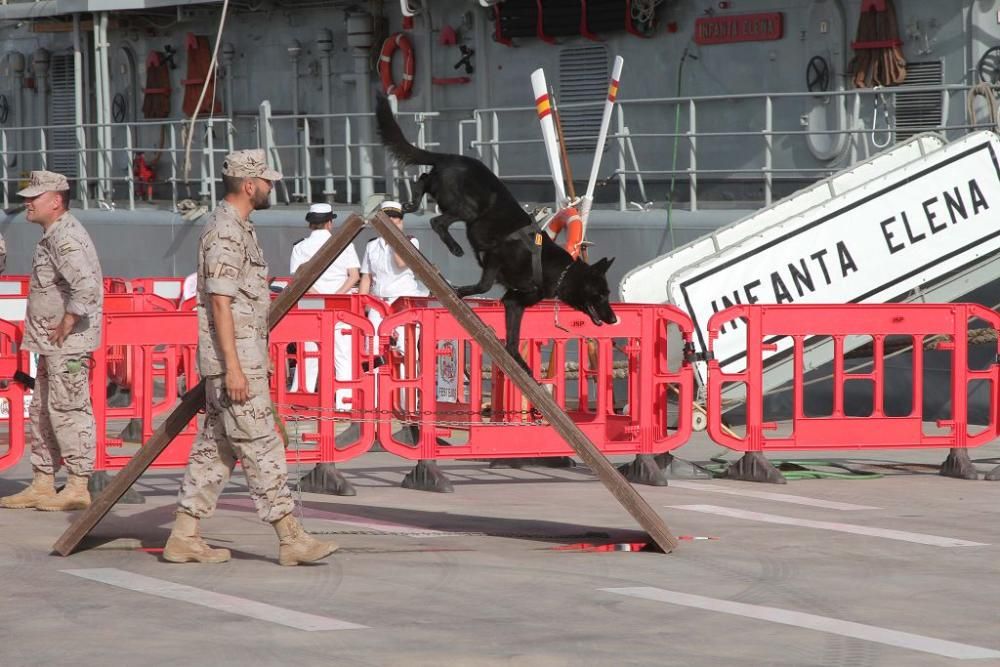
point(543, 106)
point(613, 90)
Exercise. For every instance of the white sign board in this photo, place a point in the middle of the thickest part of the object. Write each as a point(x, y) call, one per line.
point(648, 283)
point(878, 241)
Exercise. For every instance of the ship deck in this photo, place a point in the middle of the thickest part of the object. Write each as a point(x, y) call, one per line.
point(885, 571)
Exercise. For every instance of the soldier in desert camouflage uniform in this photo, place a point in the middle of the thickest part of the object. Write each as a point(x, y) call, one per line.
point(233, 301)
point(63, 326)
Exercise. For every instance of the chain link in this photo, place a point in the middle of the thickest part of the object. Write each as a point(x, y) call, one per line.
point(382, 416)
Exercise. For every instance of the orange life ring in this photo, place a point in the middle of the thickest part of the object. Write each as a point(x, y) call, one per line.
point(402, 42)
point(570, 220)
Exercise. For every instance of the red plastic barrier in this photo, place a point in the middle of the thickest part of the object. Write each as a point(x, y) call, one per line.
point(14, 285)
point(154, 341)
point(117, 286)
point(311, 415)
point(765, 325)
point(168, 287)
point(12, 359)
point(467, 427)
point(120, 363)
point(297, 354)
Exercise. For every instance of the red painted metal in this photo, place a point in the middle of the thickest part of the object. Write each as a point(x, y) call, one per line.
point(765, 323)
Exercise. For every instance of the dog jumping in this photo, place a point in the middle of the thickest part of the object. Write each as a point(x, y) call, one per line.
point(504, 238)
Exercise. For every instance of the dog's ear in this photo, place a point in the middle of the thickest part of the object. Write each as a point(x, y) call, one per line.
point(603, 264)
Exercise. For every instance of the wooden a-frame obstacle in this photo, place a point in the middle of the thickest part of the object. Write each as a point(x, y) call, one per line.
point(194, 400)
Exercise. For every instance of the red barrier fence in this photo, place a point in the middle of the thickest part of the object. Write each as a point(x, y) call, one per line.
point(157, 343)
point(310, 415)
point(12, 360)
point(440, 397)
point(769, 328)
point(463, 425)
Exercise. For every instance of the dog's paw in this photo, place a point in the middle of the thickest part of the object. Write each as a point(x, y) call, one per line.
point(411, 207)
point(456, 250)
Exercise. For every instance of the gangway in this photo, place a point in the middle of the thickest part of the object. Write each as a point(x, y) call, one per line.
point(917, 223)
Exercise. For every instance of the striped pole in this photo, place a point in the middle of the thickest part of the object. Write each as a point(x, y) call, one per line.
point(544, 107)
point(588, 198)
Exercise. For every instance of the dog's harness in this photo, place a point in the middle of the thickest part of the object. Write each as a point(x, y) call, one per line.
point(531, 236)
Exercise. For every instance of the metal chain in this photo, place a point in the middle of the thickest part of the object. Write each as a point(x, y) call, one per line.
point(407, 419)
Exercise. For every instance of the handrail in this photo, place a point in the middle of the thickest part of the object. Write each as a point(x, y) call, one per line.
point(505, 138)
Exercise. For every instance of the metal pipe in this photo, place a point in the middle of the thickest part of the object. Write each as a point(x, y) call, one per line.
point(105, 66)
point(360, 37)
point(15, 60)
point(364, 98)
point(294, 52)
point(693, 159)
point(768, 150)
point(40, 60)
point(228, 55)
point(324, 43)
point(99, 108)
point(78, 96)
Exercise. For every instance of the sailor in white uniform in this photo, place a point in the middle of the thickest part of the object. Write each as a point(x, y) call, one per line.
point(385, 275)
point(340, 278)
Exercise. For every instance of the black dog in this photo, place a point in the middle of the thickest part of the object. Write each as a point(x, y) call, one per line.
point(503, 236)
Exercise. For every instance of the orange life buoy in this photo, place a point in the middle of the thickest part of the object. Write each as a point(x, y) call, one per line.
point(570, 220)
point(402, 42)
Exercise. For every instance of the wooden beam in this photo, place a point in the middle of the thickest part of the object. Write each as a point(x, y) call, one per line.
point(585, 449)
point(194, 400)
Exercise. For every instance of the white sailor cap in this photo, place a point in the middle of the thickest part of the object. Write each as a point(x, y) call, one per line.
point(320, 213)
point(390, 207)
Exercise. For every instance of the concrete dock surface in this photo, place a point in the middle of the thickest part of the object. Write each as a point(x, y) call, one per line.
point(514, 568)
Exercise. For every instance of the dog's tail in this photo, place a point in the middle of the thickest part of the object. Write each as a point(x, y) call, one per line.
point(394, 139)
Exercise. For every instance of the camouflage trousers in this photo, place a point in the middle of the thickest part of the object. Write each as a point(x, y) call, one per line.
point(231, 432)
point(61, 416)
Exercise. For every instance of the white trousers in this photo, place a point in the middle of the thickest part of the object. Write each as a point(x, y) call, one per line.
point(341, 365)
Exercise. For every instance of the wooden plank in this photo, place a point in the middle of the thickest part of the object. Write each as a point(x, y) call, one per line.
point(585, 449)
point(194, 400)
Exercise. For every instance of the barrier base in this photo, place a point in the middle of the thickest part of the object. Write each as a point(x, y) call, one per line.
point(426, 476)
point(993, 475)
point(959, 465)
point(675, 468)
point(643, 470)
point(100, 481)
point(325, 478)
point(534, 461)
point(754, 467)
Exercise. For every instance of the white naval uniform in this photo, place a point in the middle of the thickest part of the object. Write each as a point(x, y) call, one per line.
point(389, 282)
point(328, 283)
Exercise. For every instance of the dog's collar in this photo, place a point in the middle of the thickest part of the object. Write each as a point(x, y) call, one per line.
point(561, 277)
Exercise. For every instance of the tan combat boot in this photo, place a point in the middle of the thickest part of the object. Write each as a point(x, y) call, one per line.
point(74, 496)
point(42, 487)
point(186, 546)
point(298, 546)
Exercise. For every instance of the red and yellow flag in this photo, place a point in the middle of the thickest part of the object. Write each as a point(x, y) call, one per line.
point(543, 106)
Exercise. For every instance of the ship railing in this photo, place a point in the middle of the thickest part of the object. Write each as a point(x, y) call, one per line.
point(768, 144)
point(327, 147)
point(763, 138)
point(105, 175)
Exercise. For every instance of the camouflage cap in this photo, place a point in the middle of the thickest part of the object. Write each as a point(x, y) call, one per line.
point(249, 164)
point(44, 181)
